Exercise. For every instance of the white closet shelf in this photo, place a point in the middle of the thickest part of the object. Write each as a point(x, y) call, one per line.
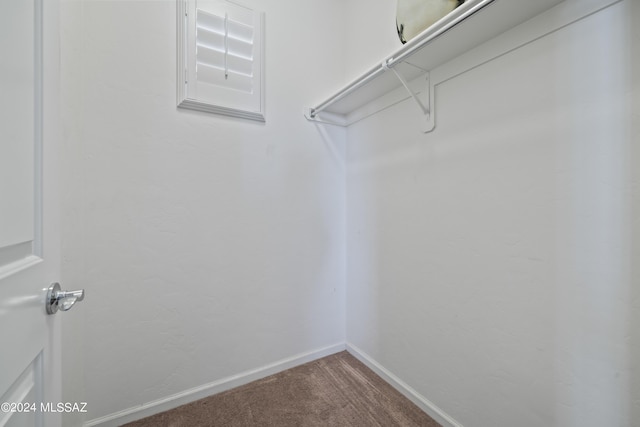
point(468, 26)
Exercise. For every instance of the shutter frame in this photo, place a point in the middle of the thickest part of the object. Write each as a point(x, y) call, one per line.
point(201, 84)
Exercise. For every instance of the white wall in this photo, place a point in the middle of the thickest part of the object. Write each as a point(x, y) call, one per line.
point(371, 34)
point(489, 262)
point(207, 246)
point(493, 264)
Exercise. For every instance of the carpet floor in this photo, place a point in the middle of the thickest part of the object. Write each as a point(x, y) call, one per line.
point(337, 390)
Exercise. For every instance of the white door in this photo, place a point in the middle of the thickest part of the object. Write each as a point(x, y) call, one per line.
point(29, 236)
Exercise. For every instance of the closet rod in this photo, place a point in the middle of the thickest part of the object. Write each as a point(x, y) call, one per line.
point(458, 15)
point(353, 86)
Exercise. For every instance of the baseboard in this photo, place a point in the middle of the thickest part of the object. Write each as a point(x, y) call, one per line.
point(423, 403)
point(191, 395)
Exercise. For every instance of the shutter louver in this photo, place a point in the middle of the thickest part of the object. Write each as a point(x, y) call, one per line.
point(224, 52)
point(222, 58)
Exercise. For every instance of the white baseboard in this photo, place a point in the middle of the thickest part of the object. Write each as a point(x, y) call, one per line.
point(423, 403)
point(196, 393)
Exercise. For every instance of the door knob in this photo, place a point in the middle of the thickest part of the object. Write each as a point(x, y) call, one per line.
point(63, 300)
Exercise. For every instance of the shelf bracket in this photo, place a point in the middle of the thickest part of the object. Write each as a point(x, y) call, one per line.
point(426, 109)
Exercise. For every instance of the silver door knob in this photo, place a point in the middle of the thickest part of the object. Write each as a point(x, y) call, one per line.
point(63, 300)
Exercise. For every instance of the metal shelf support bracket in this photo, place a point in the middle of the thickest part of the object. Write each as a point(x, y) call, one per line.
point(426, 106)
point(425, 109)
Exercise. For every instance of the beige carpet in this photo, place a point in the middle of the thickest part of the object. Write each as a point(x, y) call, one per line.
point(337, 390)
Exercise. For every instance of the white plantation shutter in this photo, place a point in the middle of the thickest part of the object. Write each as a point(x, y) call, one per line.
point(224, 52)
point(222, 58)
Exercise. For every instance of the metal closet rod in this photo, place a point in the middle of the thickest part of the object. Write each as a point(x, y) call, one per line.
point(458, 15)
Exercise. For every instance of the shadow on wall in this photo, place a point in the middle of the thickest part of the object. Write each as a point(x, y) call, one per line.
point(633, 161)
point(594, 371)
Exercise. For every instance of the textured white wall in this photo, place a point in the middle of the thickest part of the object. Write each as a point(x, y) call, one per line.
point(208, 246)
point(370, 34)
point(493, 264)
